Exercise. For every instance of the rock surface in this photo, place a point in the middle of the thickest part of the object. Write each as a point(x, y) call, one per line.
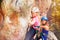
point(52, 36)
point(16, 17)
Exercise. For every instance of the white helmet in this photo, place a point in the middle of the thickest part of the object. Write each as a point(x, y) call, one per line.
point(35, 9)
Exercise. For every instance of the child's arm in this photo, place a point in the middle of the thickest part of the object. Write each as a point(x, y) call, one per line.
point(36, 28)
point(45, 27)
point(34, 36)
point(31, 22)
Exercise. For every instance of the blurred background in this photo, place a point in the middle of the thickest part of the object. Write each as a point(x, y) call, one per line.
point(55, 17)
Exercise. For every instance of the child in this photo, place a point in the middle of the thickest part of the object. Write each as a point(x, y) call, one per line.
point(35, 19)
point(34, 22)
point(45, 28)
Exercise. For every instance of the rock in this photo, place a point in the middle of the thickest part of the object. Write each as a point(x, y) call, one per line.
point(23, 9)
point(15, 22)
point(51, 36)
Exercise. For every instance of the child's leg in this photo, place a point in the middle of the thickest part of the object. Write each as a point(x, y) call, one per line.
point(44, 37)
point(37, 38)
point(30, 34)
point(34, 36)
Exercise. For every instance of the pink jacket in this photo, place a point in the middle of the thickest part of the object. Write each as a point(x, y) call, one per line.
point(36, 22)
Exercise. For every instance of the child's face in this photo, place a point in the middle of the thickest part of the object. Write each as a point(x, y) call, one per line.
point(43, 22)
point(34, 14)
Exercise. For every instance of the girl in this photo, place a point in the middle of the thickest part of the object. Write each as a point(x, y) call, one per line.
point(35, 23)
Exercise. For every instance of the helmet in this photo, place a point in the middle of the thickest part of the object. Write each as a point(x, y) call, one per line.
point(35, 9)
point(44, 18)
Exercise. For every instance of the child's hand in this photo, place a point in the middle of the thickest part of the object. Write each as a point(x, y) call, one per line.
point(28, 28)
point(36, 28)
point(29, 25)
